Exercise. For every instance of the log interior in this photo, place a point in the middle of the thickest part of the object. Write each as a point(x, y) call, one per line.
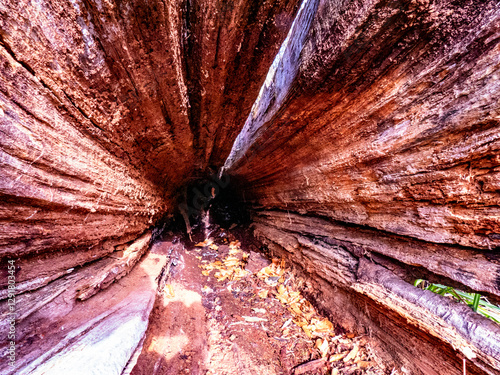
point(358, 140)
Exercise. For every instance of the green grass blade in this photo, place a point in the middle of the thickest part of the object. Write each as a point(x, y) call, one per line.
point(478, 303)
point(418, 282)
point(475, 303)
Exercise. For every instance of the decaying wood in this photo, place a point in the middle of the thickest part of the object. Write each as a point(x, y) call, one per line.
point(383, 144)
point(116, 267)
point(51, 322)
point(367, 151)
point(386, 125)
point(309, 366)
point(38, 270)
point(346, 265)
point(474, 268)
point(106, 110)
point(475, 336)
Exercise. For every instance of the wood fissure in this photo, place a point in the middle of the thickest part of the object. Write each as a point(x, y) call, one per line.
point(362, 138)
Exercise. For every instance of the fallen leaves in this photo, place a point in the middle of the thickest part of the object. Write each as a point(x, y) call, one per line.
point(231, 268)
point(322, 326)
point(345, 352)
point(235, 245)
point(232, 261)
point(305, 316)
point(275, 269)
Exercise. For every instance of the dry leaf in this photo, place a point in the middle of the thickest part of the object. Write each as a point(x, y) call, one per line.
point(323, 347)
point(234, 251)
point(239, 273)
point(352, 354)
point(223, 274)
point(264, 273)
point(337, 357)
point(282, 289)
point(168, 291)
point(231, 261)
point(323, 326)
point(307, 331)
point(207, 242)
point(295, 308)
point(294, 297)
point(263, 293)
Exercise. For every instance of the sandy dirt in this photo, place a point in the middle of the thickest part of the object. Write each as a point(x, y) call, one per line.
point(201, 325)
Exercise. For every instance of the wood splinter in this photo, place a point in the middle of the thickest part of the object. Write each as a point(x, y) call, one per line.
point(309, 366)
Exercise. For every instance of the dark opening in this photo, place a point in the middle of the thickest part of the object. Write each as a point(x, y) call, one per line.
point(215, 199)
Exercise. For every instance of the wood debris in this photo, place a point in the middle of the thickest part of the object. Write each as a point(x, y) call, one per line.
point(309, 366)
point(335, 354)
point(254, 319)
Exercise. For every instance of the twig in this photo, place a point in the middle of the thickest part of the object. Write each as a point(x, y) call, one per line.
point(309, 366)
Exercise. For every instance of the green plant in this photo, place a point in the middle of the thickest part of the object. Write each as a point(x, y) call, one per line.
point(477, 302)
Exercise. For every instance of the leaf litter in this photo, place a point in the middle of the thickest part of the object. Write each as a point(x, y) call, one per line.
point(312, 347)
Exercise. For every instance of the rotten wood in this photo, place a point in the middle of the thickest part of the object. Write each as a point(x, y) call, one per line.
point(309, 366)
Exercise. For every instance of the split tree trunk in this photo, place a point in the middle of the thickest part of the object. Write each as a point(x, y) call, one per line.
point(370, 157)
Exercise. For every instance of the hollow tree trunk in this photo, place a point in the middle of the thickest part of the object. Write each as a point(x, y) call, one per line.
point(363, 137)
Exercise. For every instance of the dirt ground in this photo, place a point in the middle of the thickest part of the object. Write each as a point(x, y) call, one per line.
point(223, 309)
